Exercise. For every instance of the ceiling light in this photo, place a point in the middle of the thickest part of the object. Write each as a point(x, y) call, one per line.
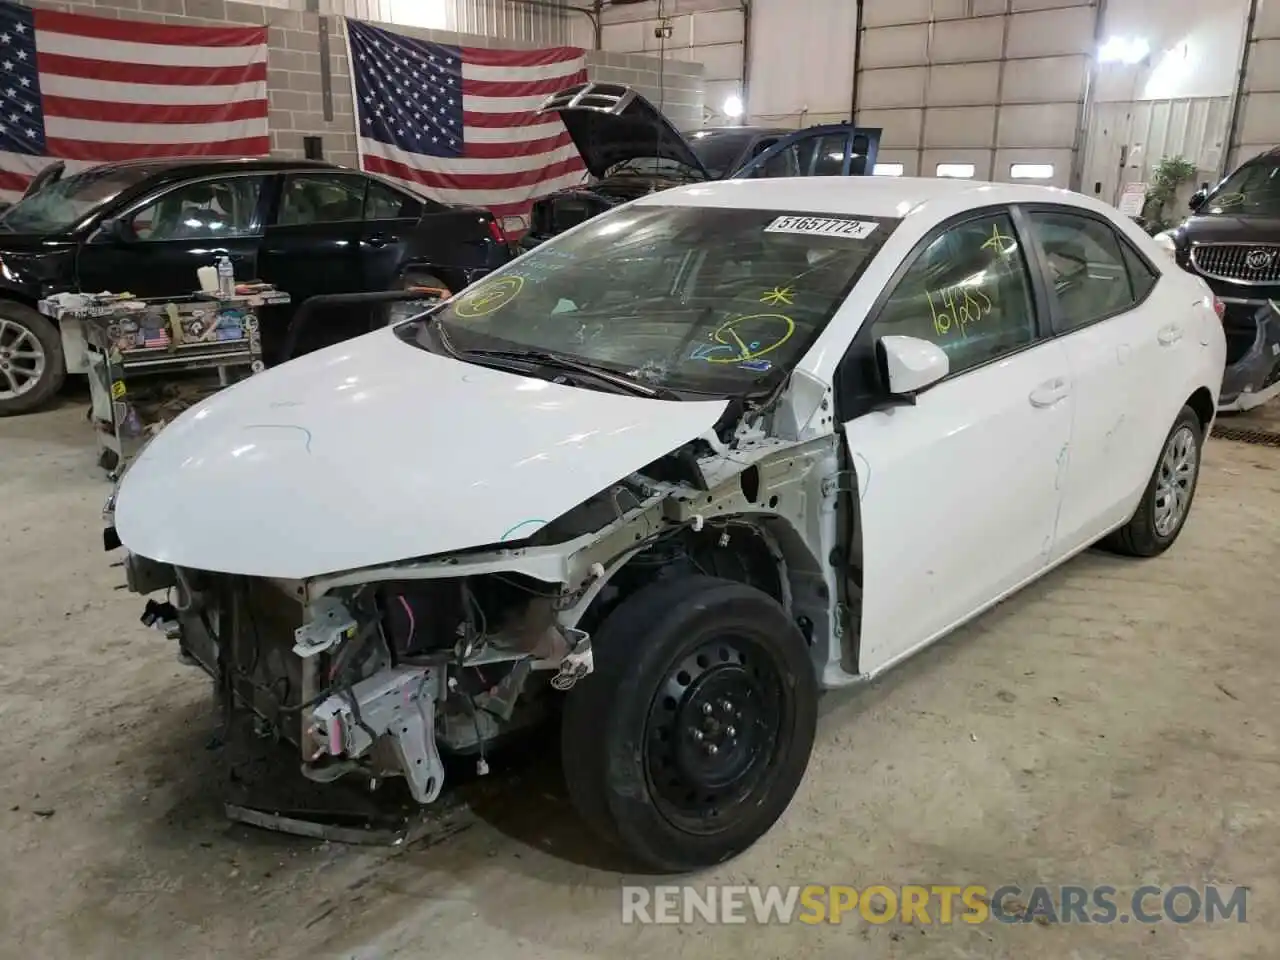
point(1126, 50)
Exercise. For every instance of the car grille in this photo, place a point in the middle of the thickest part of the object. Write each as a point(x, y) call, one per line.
point(1249, 263)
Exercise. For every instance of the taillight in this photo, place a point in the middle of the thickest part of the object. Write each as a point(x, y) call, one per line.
point(1219, 308)
point(495, 231)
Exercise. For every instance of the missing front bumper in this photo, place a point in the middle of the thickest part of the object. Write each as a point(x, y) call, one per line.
point(1252, 375)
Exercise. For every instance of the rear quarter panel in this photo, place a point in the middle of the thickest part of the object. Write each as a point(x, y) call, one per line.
point(456, 245)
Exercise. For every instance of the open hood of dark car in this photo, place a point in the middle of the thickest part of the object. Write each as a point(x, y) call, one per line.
point(611, 123)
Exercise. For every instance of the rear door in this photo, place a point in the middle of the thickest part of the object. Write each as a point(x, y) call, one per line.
point(387, 234)
point(167, 235)
point(312, 244)
point(1119, 350)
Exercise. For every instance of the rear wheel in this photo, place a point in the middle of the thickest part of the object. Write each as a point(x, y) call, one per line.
point(692, 734)
point(31, 364)
point(1167, 500)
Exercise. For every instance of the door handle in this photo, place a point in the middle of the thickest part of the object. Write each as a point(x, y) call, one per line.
point(1169, 335)
point(377, 240)
point(1049, 393)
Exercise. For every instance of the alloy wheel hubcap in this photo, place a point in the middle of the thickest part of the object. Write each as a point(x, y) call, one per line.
point(22, 360)
point(1175, 480)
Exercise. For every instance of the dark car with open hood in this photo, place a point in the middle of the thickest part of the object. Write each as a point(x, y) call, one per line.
point(144, 227)
point(630, 149)
point(1232, 240)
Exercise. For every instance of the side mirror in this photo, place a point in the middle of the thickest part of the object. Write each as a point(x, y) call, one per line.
point(909, 365)
point(1197, 199)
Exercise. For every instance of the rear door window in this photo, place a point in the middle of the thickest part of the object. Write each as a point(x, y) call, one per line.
point(1088, 273)
point(321, 198)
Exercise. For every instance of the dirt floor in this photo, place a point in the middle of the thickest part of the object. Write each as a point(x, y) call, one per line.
point(1114, 724)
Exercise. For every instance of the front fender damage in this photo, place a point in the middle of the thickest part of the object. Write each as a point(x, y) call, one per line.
point(378, 671)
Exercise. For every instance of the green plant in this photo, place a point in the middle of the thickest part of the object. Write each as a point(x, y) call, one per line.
point(1169, 174)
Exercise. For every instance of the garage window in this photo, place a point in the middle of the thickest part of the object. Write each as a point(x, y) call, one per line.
point(1087, 268)
point(889, 170)
point(969, 292)
point(960, 171)
point(1031, 171)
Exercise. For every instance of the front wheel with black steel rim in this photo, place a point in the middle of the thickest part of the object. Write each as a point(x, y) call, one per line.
point(1166, 502)
point(692, 734)
point(31, 365)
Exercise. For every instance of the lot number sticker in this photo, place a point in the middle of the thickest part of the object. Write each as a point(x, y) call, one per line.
point(823, 227)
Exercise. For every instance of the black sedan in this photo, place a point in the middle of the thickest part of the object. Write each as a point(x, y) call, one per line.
point(145, 227)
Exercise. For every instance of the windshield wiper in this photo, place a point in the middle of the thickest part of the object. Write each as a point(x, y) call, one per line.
point(524, 359)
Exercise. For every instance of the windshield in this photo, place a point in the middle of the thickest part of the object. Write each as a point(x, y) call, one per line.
point(64, 203)
point(1253, 190)
point(707, 300)
point(718, 152)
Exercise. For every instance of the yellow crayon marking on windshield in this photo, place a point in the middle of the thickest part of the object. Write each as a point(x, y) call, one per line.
point(489, 297)
point(779, 295)
point(752, 349)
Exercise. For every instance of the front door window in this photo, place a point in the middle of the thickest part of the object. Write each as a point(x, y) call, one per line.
point(968, 292)
point(203, 210)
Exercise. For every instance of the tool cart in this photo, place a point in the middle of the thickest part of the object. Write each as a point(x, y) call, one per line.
point(149, 360)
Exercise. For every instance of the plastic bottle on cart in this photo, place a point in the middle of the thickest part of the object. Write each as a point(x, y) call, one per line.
point(226, 279)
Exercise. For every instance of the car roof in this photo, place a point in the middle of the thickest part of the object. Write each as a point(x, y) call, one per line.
point(197, 166)
point(866, 196)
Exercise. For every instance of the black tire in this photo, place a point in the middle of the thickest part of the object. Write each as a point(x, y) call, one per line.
point(1142, 536)
point(631, 751)
point(55, 369)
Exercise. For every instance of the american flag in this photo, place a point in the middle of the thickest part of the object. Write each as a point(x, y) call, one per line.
point(457, 123)
point(89, 90)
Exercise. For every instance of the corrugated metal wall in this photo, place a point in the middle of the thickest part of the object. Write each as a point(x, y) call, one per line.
point(1258, 128)
point(1126, 141)
point(977, 86)
point(802, 62)
point(709, 32)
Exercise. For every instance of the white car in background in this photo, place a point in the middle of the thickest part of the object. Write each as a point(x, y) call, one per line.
point(685, 465)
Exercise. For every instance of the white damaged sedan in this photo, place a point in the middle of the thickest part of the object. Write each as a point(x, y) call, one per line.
point(668, 476)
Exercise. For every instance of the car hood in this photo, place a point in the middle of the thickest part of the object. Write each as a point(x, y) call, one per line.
point(375, 451)
point(1224, 228)
point(611, 123)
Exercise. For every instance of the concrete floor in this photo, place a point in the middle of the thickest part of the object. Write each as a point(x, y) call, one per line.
point(1114, 724)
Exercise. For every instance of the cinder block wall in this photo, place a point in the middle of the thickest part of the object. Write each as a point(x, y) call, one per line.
point(293, 66)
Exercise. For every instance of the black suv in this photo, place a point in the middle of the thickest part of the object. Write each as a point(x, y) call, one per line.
point(631, 149)
point(144, 227)
point(1233, 242)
